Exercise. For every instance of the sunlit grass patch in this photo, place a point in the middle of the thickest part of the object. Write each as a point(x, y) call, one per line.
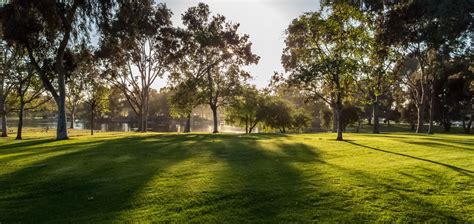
point(237, 178)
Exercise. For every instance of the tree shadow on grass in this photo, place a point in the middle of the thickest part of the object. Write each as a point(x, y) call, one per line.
point(25, 143)
point(98, 181)
point(259, 181)
point(14, 155)
point(258, 184)
point(436, 144)
point(399, 197)
point(455, 168)
point(252, 178)
point(266, 182)
point(93, 183)
point(430, 140)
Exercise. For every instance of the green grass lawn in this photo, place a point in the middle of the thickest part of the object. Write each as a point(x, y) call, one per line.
point(117, 177)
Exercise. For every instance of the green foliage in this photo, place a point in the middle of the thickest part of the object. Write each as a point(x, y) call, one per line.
point(301, 119)
point(225, 52)
point(96, 91)
point(47, 30)
point(183, 98)
point(98, 98)
point(323, 50)
point(78, 78)
point(408, 113)
point(117, 104)
point(278, 113)
point(323, 53)
point(325, 116)
point(159, 104)
point(350, 115)
point(430, 22)
point(247, 109)
point(281, 114)
point(212, 56)
point(139, 47)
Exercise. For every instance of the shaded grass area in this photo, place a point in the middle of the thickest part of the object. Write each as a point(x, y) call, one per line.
point(402, 127)
point(118, 177)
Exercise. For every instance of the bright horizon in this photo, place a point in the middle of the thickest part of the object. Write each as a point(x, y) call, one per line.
point(264, 21)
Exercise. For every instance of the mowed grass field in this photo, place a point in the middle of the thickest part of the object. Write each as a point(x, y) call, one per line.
point(262, 178)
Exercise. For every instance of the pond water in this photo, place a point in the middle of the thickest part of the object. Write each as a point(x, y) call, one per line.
point(172, 126)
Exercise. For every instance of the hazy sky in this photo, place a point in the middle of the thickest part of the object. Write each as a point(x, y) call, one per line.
point(264, 20)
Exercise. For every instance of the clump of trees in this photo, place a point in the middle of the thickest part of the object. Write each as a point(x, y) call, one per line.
point(213, 56)
point(403, 61)
point(138, 48)
point(138, 45)
point(323, 52)
point(262, 109)
point(369, 52)
point(47, 31)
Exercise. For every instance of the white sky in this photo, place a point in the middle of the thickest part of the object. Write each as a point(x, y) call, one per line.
point(264, 20)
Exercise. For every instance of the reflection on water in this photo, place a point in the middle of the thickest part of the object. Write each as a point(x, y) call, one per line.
point(171, 126)
point(43, 124)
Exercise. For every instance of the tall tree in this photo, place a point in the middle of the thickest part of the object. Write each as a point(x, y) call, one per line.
point(186, 78)
point(97, 99)
point(424, 28)
point(219, 53)
point(322, 51)
point(8, 56)
point(415, 79)
point(454, 100)
point(278, 113)
point(246, 109)
point(301, 120)
point(27, 90)
point(139, 49)
point(377, 75)
point(183, 99)
point(46, 29)
point(409, 114)
point(84, 62)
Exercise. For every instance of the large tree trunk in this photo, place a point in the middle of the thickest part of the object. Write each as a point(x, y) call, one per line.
point(467, 126)
point(375, 115)
point(420, 110)
point(339, 124)
point(92, 121)
point(246, 124)
point(334, 119)
point(187, 128)
point(432, 110)
point(252, 126)
point(144, 123)
point(139, 120)
point(145, 118)
point(4, 125)
point(61, 131)
point(3, 113)
point(20, 120)
point(73, 117)
point(142, 116)
point(214, 117)
point(447, 126)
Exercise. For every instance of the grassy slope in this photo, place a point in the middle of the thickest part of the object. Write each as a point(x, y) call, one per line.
point(114, 177)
